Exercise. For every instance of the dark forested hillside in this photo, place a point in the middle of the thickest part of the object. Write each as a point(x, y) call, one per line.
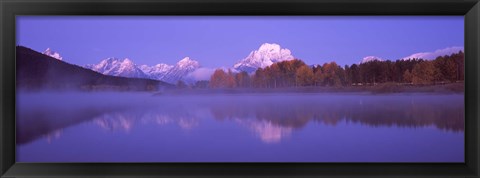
point(35, 71)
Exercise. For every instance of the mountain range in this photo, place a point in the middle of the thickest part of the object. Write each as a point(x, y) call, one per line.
point(163, 72)
point(422, 55)
point(118, 67)
point(37, 71)
point(184, 69)
point(266, 55)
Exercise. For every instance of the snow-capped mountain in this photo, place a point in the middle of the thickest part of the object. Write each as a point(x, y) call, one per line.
point(118, 67)
point(164, 72)
point(53, 54)
point(371, 58)
point(266, 55)
point(157, 71)
point(180, 70)
point(435, 54)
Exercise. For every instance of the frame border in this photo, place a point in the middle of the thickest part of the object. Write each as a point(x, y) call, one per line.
point(10, 8)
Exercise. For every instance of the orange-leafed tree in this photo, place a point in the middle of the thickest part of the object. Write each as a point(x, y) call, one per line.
point(230, 80)
point(304, 76)
point(318, 76)
point(331, 76)
point(407, 76)
point(221, 79)
point(423, 73)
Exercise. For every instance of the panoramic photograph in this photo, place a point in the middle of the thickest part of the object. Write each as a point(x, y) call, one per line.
point(378, 89)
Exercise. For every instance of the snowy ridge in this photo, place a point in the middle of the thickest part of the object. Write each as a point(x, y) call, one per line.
point(180, 70)
point(164, 72)
point(156, 71)
point(435, 54)
point(266, 55)
point(118, 67)
point(371, 58)
point(53, 54)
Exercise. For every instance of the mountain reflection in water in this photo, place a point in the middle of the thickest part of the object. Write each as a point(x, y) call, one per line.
point(269, 117)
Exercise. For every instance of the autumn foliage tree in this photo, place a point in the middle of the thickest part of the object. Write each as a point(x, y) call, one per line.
point(304, 76)
point(407, 76)
point(332, 74)
point(221, 79)
point(423, 73)
point(318, 76)
point(281, 74)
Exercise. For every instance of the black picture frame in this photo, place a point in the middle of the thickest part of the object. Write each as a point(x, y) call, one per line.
point(11, 8)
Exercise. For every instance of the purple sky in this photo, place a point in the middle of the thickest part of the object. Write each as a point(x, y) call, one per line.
point(217, 41)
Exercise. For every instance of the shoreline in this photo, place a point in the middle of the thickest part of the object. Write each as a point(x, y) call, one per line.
point(386, 88)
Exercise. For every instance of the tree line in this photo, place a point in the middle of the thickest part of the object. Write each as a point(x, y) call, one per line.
point(295, 73)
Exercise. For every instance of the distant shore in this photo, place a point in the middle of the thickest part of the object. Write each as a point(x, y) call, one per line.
point(449, 88)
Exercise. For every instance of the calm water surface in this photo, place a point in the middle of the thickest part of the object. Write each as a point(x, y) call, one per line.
point(139, 127)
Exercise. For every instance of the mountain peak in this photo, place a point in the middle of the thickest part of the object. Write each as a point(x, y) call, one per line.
point(265, 55)
point(371, 58)
point(185, 59)
point(269, 47)
point(118, 67)
point(127, 61)
point(188, 63)
point(51, 53)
